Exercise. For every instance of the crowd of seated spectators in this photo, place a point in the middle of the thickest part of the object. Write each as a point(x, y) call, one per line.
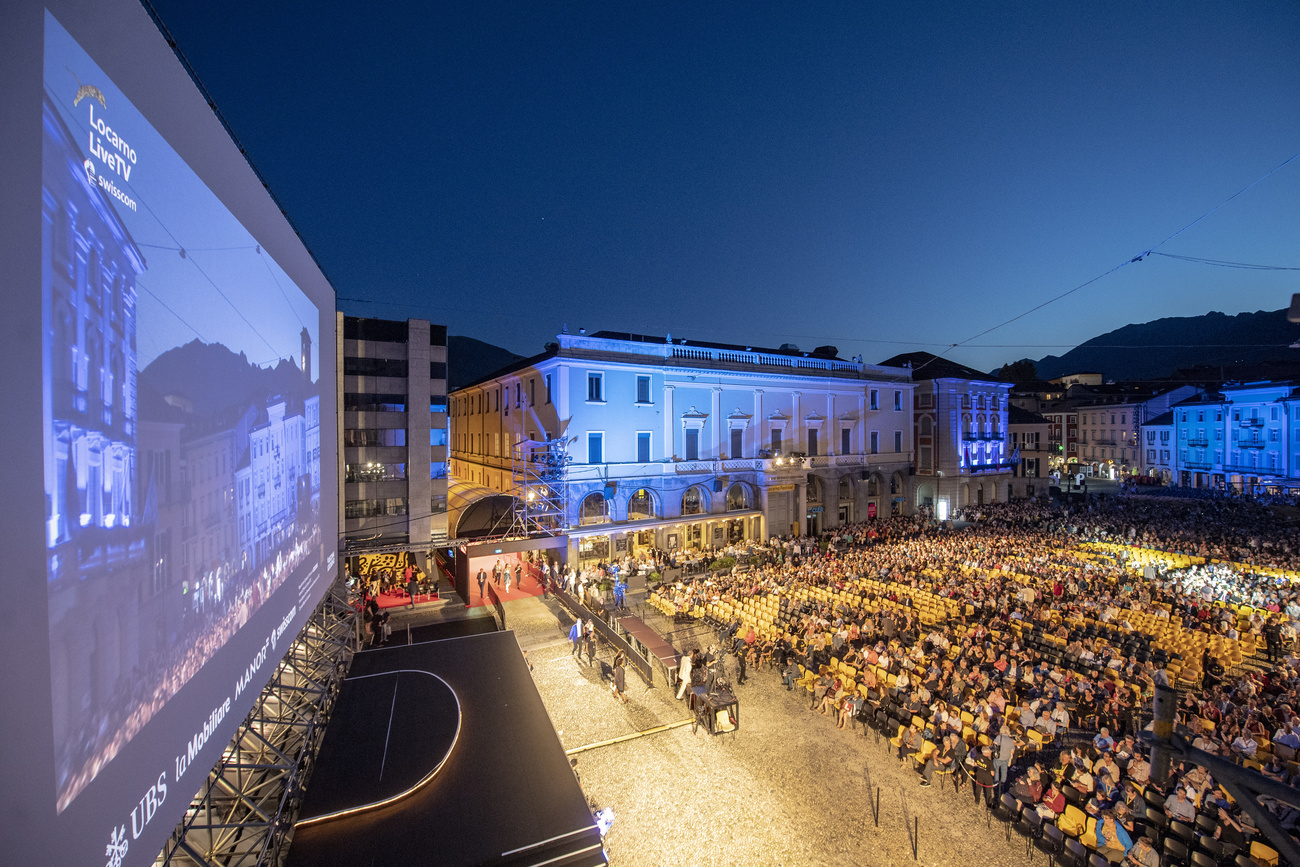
point(1039, 679)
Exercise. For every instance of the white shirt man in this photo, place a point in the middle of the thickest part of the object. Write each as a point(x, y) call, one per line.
point(1245, 745)
point(1287, 736)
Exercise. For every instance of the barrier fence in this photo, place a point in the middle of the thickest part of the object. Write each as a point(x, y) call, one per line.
point(608, 632)
point(497, 608)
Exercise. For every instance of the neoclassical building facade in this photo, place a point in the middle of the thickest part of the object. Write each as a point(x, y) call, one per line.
point(961, 433)
point(683, 444)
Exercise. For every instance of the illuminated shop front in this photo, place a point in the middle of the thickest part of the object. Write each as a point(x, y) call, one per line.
point(599, 538)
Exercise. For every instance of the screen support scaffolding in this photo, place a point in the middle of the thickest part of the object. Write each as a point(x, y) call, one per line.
point(243, 814)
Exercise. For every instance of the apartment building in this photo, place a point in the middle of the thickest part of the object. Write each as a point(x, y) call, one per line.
point(393, 433)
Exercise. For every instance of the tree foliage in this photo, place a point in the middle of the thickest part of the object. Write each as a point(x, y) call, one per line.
point(1018, 371)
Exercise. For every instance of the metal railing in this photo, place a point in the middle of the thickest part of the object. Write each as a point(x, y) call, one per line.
point(607, 631)
point(759, 358)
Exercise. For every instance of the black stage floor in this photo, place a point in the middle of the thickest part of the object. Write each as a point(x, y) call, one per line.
point(449, 629)
point(504, 796)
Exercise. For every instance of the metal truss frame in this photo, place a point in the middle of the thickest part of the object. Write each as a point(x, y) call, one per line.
point(1245, 786)
point(244, 813)
point(540, 474)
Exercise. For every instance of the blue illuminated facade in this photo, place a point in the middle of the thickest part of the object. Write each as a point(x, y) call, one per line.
point(91, 267)
point(963, 458)
point(1244, 439)
point(680, 443)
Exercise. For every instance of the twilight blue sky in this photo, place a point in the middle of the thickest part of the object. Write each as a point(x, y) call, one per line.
point(844, 173)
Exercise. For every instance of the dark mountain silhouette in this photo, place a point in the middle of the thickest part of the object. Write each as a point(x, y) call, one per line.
point(210, 380)
point(469, 360)
point(1157, 349)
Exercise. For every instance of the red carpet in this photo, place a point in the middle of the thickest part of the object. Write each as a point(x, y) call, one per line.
point(531, 577)
point(389, 600)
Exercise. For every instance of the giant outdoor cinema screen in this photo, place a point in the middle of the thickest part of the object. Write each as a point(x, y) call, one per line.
point(172, 507)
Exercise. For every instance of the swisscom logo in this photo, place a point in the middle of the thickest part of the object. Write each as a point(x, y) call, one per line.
point(111, 159)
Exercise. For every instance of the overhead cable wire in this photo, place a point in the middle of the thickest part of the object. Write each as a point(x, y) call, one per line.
point(233, 306)
point(176, 249)
point(1138, 258)
point(1222, 263)
point(276, 279)
point(182, 319)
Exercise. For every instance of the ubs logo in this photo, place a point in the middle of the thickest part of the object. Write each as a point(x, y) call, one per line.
point(117, 847)
point(141, 815)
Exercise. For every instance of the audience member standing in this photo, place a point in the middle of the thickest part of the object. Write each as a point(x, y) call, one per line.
point(683, 674)
point(620, 679)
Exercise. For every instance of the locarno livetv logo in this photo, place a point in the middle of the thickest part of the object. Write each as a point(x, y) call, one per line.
point(115, 156)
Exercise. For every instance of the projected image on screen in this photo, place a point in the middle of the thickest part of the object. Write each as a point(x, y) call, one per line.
point(182, 418)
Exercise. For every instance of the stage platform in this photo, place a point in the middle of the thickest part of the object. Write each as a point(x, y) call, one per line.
point(452, 740)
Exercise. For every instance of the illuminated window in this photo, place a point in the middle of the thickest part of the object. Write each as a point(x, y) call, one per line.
point(693, 501)
point(641, 506)
point(593, 510)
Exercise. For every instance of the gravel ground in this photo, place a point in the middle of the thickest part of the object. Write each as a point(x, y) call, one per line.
point(788, 788)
